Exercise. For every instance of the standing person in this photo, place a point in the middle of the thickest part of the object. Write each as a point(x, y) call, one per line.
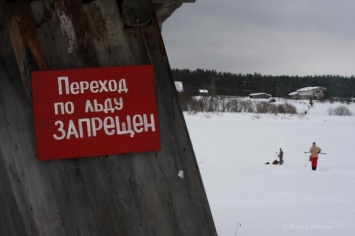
point(281, 155)
point(315, 150)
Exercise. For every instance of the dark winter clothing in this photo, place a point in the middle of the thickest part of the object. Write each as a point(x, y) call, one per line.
point(281, 154)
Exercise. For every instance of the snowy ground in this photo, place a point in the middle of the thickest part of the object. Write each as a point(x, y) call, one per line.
point(248, 197)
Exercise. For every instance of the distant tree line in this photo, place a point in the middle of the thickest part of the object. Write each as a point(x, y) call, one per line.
point(231, 84)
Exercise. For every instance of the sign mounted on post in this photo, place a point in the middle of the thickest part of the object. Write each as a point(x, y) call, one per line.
point(95, 111)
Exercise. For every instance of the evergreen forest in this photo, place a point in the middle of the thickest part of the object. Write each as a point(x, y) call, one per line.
point(231, 84)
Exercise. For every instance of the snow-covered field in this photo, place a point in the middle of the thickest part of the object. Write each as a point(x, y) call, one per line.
point(248, 197)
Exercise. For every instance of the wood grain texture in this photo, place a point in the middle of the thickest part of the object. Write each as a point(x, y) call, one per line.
point(132, 194)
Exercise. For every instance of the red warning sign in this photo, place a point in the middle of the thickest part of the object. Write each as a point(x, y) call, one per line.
point(95, 111)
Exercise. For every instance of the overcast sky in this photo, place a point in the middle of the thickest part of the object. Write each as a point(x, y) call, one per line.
point(271, 37)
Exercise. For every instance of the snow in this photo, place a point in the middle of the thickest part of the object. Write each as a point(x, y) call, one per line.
point(179, 86)
point(255, 94)
point(181, 174)
point(307, 89)
point(248, 197)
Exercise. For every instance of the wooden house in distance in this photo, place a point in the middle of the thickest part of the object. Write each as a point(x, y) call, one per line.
point(259, 95)
point(315, 92)
point(203, 92)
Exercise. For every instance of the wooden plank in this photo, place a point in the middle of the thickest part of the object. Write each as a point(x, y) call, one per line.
point(132, 194)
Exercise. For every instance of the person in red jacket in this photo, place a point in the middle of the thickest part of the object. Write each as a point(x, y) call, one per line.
point(315, 150)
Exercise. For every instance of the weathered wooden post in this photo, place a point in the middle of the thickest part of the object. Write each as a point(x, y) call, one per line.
point(128, 194)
